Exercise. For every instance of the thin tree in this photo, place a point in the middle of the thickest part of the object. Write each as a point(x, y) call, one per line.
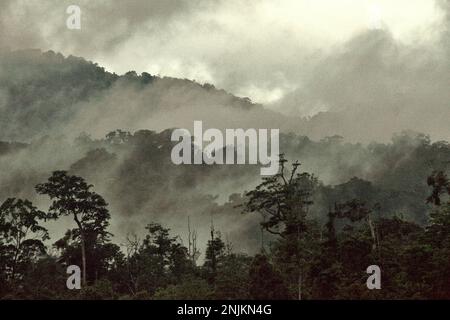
point(193, 252)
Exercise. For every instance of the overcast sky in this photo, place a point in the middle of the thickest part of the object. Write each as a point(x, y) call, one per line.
point(263, 49)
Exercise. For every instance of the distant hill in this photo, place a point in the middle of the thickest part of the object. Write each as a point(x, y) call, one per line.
point(45, 92)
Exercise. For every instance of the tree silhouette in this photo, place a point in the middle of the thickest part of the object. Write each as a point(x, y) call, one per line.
point(72, 196)
point(284, 200)
point(21, 235)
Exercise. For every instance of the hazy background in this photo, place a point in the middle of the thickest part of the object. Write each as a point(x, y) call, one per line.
point(364, 70)
point(380, 62)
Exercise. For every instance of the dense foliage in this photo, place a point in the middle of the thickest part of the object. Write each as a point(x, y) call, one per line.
point(304, 259)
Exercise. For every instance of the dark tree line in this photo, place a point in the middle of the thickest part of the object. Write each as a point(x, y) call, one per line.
point(305, 259)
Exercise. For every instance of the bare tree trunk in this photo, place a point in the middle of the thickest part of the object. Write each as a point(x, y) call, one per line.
point(13, 269)
point(189, 239)
point(194, 247)
point(133, 245)
point(83, 257)
point(300, 285)
point(299, 264)
point(83, 249)
point(299, 255)
point(192, 242)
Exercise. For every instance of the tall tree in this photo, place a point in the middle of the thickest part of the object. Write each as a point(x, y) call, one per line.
point(72, 196)
point(284, 200)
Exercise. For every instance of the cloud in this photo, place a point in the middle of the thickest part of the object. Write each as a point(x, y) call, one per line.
point(377, 86)
point(298, 57)
point(238, 45)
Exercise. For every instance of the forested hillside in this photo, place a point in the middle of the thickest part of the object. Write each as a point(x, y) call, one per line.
point(47, 93)
point(87, 176)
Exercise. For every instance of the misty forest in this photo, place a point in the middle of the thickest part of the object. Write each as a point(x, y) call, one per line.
point(111, 202)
